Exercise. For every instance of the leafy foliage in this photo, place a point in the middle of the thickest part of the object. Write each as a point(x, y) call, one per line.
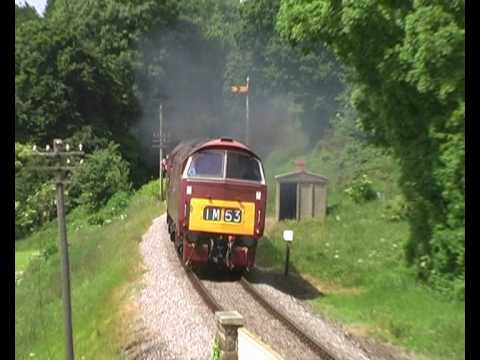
point(95, 74)
point(113, 209)
point(405, 62)
point(216, 349)
point(75, 79)
point(397, 209)
point(311, 78)
point(361, 189)
point(33, 194)
point(103, 174)
point(37, 209)
point(75, 69)
point(25, 13)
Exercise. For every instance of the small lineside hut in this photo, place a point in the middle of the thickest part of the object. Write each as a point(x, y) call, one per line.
point(300, 195)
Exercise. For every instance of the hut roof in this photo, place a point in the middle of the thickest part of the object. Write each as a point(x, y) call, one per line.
point(301, 176)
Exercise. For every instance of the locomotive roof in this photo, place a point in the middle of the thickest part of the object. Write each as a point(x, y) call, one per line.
point(187, 148)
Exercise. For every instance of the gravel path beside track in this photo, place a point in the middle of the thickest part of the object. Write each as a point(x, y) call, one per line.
point(178, 324)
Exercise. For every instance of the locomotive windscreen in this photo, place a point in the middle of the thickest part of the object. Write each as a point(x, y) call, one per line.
point(243, 166)
point(207, 164)
point(211, 164)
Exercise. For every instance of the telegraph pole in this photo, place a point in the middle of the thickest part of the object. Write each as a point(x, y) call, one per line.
point(161, 151)
point(159, 140)
point(62, 232)
point(60, 171)
point(247, 126)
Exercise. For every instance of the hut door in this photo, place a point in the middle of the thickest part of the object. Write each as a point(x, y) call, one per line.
point(288, 201)
point(306, 201)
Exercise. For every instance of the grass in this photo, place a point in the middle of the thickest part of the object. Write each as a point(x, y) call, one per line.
point(339, 159)
point(22, 258)
point(357, 264)
point(356, 258)
point(407, 315)
point(103, 260)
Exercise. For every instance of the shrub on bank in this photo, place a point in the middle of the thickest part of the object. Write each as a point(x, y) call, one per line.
point(103, 174)
point(361, 189)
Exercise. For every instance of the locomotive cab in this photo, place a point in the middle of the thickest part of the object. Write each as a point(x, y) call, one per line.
point(222, 203)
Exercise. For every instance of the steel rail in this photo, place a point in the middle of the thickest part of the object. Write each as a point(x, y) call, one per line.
point(214, 306)
point(205, 294)
point(302, 335)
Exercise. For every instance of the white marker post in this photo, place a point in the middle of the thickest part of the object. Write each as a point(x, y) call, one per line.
point(288, 237)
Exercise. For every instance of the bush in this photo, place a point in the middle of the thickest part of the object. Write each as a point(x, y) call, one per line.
point(118, 202)
point(151, 190)
point(115, 205)
point(396, 209)
point(96, 219)
point(451, 287)
point(49, 250)
point(35, 210)
point(33, 195)
point(24, 219)
point(361, 189)
point(103, 174)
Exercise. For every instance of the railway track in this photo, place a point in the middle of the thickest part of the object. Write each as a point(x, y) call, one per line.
point(313, 345)
point(212, 304)
point(302, 335)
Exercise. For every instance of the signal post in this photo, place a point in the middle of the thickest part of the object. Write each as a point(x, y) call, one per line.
point(244, 89)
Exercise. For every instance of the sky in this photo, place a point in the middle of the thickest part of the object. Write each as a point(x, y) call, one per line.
point(39, 5)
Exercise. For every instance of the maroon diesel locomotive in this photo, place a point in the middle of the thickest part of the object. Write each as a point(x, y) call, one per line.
point(216, 202)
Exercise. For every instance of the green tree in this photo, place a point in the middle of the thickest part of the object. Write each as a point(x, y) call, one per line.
point(25, 13)
point(75, 69)
point(49, 7)
point(405, 61)
point(75, 79)
point(311, 78)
